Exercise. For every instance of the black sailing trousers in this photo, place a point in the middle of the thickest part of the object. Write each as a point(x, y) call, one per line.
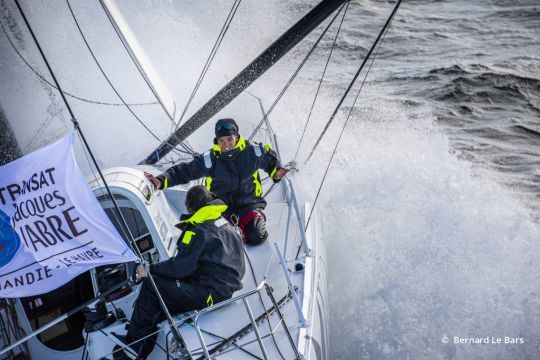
point(179, 296)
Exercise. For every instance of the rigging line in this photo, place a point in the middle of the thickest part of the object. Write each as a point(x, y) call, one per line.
point(320, 83)
point(45, 59)
point(132, 59)
point(383, 30)
point(27, 63)
point(164, 309)
point(104, 193)
point(291, 79)
point(297, 231)
point(210, 58)
point(262, 302)
point(246, 329)
point(123, 225)
point(172, 324)
point(5, 336)
point(228, 79)
point(238, 347)
point(349, 115)
point(14, 326)
point(188, 149)
point(6, 330)
point(17, 330)
point(84, 355)
point(129, 345)
point(106, 77)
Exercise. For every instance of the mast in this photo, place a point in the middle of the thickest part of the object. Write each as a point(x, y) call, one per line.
point(247, 76)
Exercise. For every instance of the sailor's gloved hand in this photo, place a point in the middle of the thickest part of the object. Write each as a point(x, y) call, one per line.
point(154, 180)
point(141, 272)
point(280, 173)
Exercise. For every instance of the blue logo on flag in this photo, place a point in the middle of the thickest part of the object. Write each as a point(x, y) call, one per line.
point(9, 240)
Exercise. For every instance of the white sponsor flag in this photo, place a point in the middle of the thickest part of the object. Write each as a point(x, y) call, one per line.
point(52, 228)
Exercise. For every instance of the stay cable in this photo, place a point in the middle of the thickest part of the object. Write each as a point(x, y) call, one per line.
point(375, 43)
point(320, 84)
point(210, 58)
point(293, 76)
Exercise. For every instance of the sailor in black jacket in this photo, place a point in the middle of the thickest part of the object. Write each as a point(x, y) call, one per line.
point(231, 171)
point(208, 268)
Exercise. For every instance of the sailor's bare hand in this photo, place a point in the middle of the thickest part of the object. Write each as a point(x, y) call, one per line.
point(154, 180)
point(280, 173)
point(141, 272)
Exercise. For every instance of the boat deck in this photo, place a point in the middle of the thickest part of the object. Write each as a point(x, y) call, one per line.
point(262, 265)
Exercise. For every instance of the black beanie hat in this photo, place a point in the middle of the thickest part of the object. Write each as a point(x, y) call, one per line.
point(226, 127)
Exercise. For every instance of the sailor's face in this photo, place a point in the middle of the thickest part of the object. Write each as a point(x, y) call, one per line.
point(227, 143)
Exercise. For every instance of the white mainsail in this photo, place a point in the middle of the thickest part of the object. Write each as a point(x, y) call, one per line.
point(140, 58)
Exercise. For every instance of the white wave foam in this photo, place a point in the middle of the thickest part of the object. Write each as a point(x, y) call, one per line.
point(420, 248)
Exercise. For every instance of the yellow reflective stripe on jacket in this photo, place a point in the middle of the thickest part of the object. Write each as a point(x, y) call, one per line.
point(240, 144)
point(273, 172)
point(258, 186)
point(166, 182)
point(209, 212)
point(208, 182)
point(186, 239)
point(209, 300)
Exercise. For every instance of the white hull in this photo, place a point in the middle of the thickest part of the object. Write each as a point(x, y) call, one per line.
point(46, 120)
point(305, 319)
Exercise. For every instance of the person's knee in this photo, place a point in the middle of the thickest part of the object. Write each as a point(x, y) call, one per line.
point(255, 232)
point(146, 287)
point(147, 294)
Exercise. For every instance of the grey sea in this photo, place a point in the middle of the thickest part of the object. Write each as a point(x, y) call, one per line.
point(431, 235)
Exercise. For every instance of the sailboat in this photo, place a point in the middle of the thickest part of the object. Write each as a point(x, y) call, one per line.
point(281, 312)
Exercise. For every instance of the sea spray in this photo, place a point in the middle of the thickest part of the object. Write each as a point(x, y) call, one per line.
point(420, 249)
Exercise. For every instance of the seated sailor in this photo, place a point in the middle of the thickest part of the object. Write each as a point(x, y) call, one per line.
point(231, 170)
point(208, 268)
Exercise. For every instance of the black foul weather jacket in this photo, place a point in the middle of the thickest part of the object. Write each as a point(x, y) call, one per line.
point(210, 253)
point(233, 176)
